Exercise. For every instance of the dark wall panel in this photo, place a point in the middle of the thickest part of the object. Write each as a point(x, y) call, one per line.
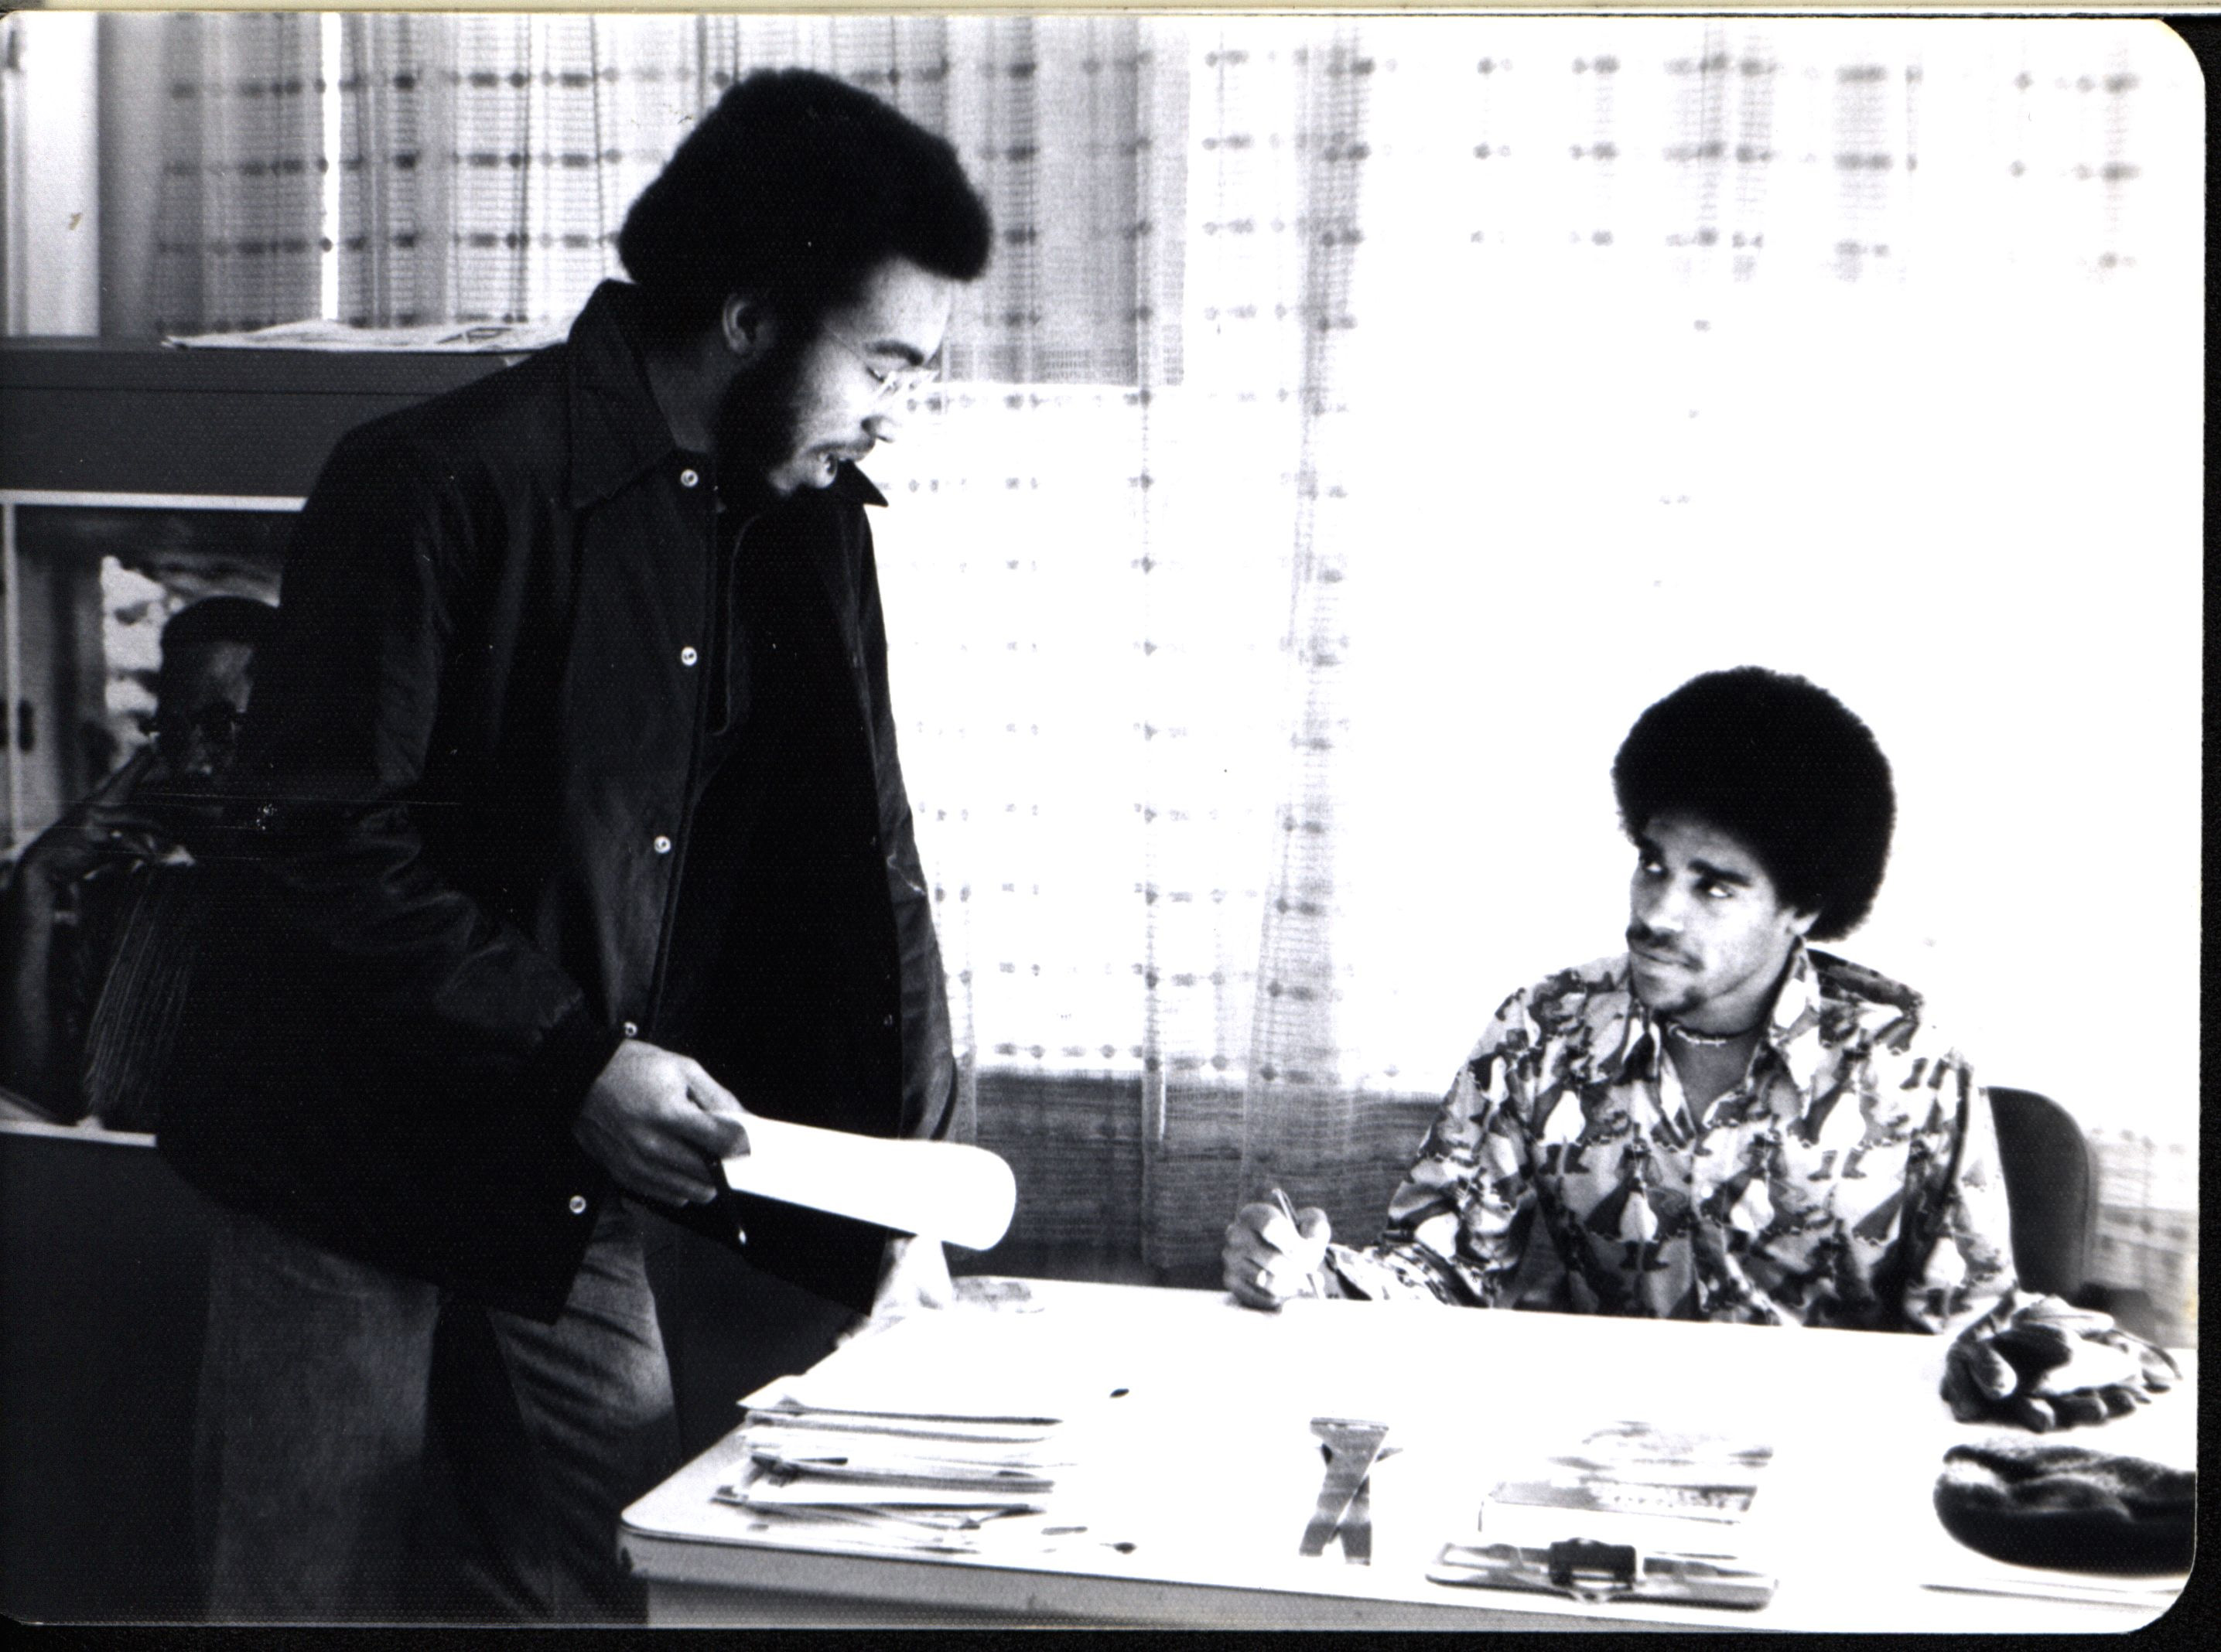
point(206, 421)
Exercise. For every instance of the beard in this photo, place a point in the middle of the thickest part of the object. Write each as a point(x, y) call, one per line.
point(756, 422)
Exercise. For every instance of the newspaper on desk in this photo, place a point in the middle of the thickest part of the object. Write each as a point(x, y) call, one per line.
point(1631, 1510)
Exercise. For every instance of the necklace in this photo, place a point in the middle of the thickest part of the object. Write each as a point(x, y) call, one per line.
point(1706, 1040)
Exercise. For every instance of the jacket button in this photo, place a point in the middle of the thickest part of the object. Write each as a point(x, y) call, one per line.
point(662, 844)
point(632, 1028)
point(687, 655)
point(578, 1204)
point(689, 477)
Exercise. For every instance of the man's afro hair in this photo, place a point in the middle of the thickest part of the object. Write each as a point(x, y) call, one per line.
point(1783, 767)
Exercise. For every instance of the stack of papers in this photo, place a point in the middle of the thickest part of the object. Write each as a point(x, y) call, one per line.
point(897, 1482)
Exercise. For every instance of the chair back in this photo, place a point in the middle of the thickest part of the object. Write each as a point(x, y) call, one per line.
point(2051, 1187)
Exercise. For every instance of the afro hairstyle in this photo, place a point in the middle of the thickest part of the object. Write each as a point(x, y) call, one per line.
point(1781, 765)
point(794, 188)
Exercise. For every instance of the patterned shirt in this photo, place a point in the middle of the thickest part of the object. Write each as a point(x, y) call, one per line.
point(1850, 1179)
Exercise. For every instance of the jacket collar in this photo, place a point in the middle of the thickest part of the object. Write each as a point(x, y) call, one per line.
point(849, 483)
point(617, 431)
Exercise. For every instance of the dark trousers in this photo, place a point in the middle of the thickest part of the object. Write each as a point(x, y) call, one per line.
point(371, 1450)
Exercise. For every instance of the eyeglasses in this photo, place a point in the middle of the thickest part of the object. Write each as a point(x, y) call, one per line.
point(889, 382)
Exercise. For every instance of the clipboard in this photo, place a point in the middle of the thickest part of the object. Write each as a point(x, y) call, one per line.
point(1582, 1568)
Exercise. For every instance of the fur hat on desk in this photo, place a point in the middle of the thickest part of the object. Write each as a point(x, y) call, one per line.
point(2066, 1507)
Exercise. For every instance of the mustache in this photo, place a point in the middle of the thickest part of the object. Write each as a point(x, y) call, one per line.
point(1649, 940)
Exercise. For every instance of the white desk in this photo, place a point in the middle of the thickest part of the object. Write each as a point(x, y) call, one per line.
point(1206, 1466)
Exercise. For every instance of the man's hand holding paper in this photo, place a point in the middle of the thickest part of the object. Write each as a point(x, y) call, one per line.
point(949, 1191)
point(661, 1125)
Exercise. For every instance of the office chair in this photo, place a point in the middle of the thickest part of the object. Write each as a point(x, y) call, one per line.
point(2051, 1187)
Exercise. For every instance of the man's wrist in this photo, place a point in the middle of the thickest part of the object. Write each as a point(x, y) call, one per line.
point(1331, 1281)
point(569, 1059)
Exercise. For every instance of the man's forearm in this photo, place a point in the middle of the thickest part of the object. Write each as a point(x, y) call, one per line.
point(1393, 1271)
point(421, 954)
point(340, 739)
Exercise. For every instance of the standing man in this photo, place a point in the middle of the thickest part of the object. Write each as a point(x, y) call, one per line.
point(574, 776)
point(1723, 1122)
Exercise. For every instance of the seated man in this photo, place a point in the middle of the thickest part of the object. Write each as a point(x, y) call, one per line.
point(1722, 1123)
point(91, 925)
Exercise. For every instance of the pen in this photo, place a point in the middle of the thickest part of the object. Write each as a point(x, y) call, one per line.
point(1286, 1206)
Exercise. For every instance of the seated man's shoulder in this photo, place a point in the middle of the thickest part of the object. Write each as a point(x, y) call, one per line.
point(1843, 981)
point(1582, 992)
point(1856, 1002)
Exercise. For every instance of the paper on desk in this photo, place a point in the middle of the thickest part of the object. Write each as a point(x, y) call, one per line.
point(769, 1489)
point(500, 338)
point(884, 1529)
point(943, 1190)
point(900, 1451)
point(877, 1483)
point(895, 1460)
point(791, 1413)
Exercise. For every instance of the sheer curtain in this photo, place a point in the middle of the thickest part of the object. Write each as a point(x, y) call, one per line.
point(1119, 602)
point(1299, 1113)
point(1361, 419)
point(488, 161)
point(238, 231)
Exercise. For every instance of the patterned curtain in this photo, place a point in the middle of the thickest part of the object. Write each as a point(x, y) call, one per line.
point(1298, 1113)
point(480, 172)
point(488, 161)
point(238, 235)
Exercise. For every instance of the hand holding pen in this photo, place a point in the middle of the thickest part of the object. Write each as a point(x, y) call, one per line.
point(1273, 1252)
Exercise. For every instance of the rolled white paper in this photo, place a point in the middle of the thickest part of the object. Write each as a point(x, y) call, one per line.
point(943, 1190)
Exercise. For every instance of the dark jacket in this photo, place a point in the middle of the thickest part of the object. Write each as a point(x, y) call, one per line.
point(467, 790)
